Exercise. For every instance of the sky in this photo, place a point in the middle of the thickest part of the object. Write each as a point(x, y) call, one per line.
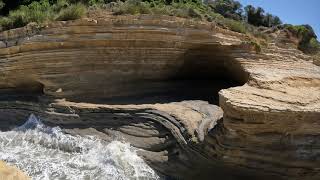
point(291, 11)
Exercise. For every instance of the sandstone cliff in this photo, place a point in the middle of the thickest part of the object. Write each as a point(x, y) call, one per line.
point(83, 75)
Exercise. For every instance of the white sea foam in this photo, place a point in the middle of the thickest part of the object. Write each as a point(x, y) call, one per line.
point(47, 153)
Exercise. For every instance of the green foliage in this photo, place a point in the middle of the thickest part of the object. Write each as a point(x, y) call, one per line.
point(311, 47)
point(256, 45)
point(256, 17)
point(6, 23)
point(46, 10)
point(307, 38)
point(42, 11)
point(34, 12)
point(227, 13)
point(304, 32)
point(269, 20)
point(228, 8)
point(236, 26)
point(132, 7)
point(72, 12)
point(314, 43)
point(182, 8)
point(89, 2)
point(185, 9)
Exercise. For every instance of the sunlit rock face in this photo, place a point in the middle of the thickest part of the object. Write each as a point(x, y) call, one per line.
point(146, 79)
point(11, 172)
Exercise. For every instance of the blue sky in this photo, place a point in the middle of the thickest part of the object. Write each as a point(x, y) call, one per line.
point(291, 11)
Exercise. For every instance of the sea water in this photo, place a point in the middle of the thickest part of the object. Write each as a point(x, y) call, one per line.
point(48, 153)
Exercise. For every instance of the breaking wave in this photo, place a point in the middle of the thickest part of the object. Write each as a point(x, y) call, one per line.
point(48, 153)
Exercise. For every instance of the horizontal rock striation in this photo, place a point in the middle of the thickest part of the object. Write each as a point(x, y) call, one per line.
point(269, 127)
point(168, 134)
point(124, 57)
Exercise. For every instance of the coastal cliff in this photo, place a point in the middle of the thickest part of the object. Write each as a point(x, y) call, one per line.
point(157, 82)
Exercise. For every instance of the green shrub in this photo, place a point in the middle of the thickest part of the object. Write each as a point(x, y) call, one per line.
point(161, 10)
point(187, 10)
point(42, 11)
point(59, 5)
point(17, 18)
point(257, 46)
point(132, 7)
point(181, 8)
point(311, 47)
point(34, 12)
point(254, 44)
point(314, 43)
point(236, 26)
point(303, 32)
point(6, 23)
point(307, 38)
point(72, 12)
point(89, 2)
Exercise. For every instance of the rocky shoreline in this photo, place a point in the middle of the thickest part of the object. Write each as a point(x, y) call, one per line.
point(73, 74)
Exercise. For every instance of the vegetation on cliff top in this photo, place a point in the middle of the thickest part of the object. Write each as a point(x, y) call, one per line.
point(40, 12)
point(307, 37)
point(227, 13)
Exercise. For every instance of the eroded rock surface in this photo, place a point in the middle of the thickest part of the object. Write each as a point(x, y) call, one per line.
point(11, 173)
point(141, 66)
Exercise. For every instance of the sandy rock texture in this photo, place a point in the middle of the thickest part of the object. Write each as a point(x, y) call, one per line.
point(148, 80)
point(11, 173)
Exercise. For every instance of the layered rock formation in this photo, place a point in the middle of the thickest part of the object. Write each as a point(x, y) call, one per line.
point(270, 100)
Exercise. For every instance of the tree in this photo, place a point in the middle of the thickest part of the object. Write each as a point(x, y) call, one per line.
point(276, 21)
point(256, 17)
point(270, 20)
point(250, 12)
point(8, 5)
point(228, 8)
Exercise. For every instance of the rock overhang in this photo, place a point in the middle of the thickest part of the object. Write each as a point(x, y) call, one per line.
point(82, 61)
point(270, 113)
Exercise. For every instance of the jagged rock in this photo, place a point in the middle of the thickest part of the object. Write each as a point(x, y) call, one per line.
point(11, 173)
point(270, 100)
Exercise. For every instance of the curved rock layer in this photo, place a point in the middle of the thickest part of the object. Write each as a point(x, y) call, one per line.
point(270, 125)
point(98, 60)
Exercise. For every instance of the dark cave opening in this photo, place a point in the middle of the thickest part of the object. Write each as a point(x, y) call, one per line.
point(204, 72)
point(175, 90)
point(24, 91)
point(198, 74)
